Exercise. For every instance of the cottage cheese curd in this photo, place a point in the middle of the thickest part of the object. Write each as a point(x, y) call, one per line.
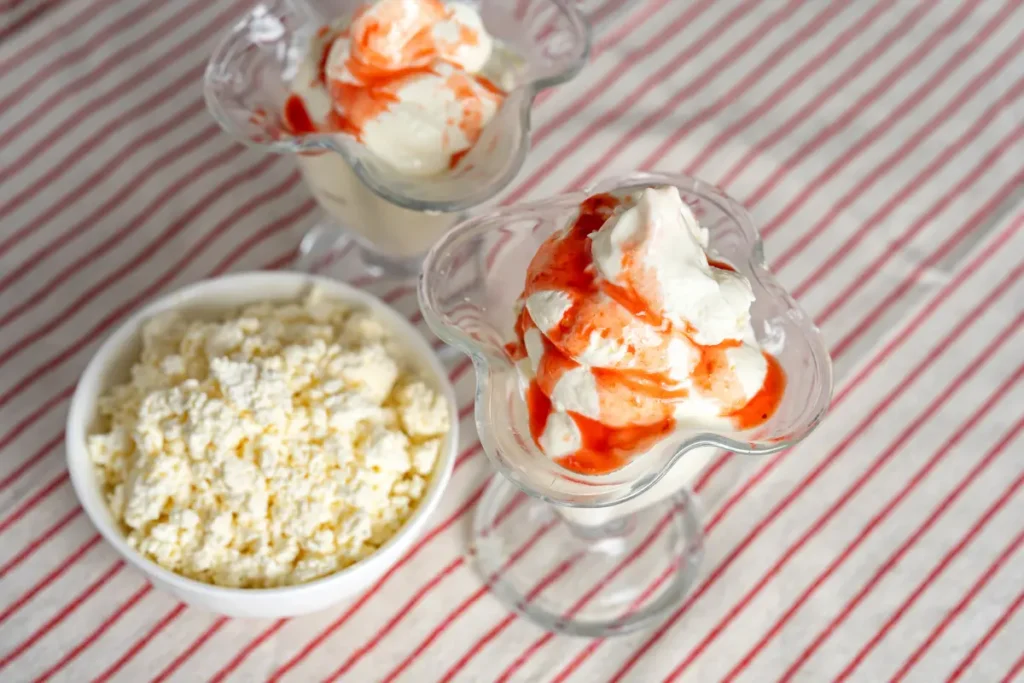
point(270, 448)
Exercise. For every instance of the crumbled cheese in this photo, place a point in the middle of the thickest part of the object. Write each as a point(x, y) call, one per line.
point(267, 449)
point(422, 410)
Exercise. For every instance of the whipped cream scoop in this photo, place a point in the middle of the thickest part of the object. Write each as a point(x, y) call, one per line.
point(402, 77)
point(627, 331)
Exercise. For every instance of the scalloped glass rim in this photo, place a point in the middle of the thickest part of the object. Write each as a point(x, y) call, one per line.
point(370, 171)
point(634, 479)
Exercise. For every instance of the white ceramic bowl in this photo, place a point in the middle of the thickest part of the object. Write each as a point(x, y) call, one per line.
point(111, 365)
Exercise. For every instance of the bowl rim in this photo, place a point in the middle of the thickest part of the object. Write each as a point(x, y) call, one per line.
point(76, 431)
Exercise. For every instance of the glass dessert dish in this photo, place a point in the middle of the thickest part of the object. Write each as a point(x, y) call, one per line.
point(393, 217)
point(631, 538)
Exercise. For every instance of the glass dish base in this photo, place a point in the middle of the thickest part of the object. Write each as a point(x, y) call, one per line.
point(327, 249)
point(626, 575)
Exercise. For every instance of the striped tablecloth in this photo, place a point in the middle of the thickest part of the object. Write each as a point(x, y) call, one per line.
point(877, 143)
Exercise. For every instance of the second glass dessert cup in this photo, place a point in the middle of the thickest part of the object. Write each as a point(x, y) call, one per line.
point(623, 546)
point(392, 218)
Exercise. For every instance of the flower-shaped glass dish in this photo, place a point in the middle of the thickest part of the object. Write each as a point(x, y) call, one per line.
point(470, 281)
point(394, 216)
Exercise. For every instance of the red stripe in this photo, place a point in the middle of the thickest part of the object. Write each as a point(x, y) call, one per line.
point(778, 175)
point(903, 152)
point(955, 61)
point(1015, 669)
point(890, 39)
point(68, 161)
point(113, 127)
point(936, 571)
point(141, 643)
point(594, 644)
point(894, 295)
point(1001, 148)
point(85, 188)
point(991, 633)
point(68, 28)
point(884, 513)
point(870, 56)
point(869, 368)
point(749, 81)
point(790, 84)
point(880, 573)
point(640, 12)
point(463, 606)
point(962, 605)
point(186, 48)
point(361, 652)
point(117, 238)
point(691, 88)
point(203, 637)
point(22, 22)
point(25, 424)
point(216, 194)
point(521, 7)
point(32, 502)
point(67, 609)
point(556, 574)
point(625, 63)
point(73, 57)
point(27, 551)
point(420, 594)
point(850, 113)
point(95, 634)
point(286, 222)
point(879, 462)
point(52, 576)
point(33, 459)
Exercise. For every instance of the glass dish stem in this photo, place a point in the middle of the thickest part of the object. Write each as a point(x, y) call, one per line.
point(324, 246)
point(586, 580)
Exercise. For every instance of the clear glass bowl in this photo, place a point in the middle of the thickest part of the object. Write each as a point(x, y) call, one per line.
point(470, 281)
point(393, 217)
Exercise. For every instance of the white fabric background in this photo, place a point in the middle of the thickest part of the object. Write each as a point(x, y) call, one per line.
point(878, 145)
